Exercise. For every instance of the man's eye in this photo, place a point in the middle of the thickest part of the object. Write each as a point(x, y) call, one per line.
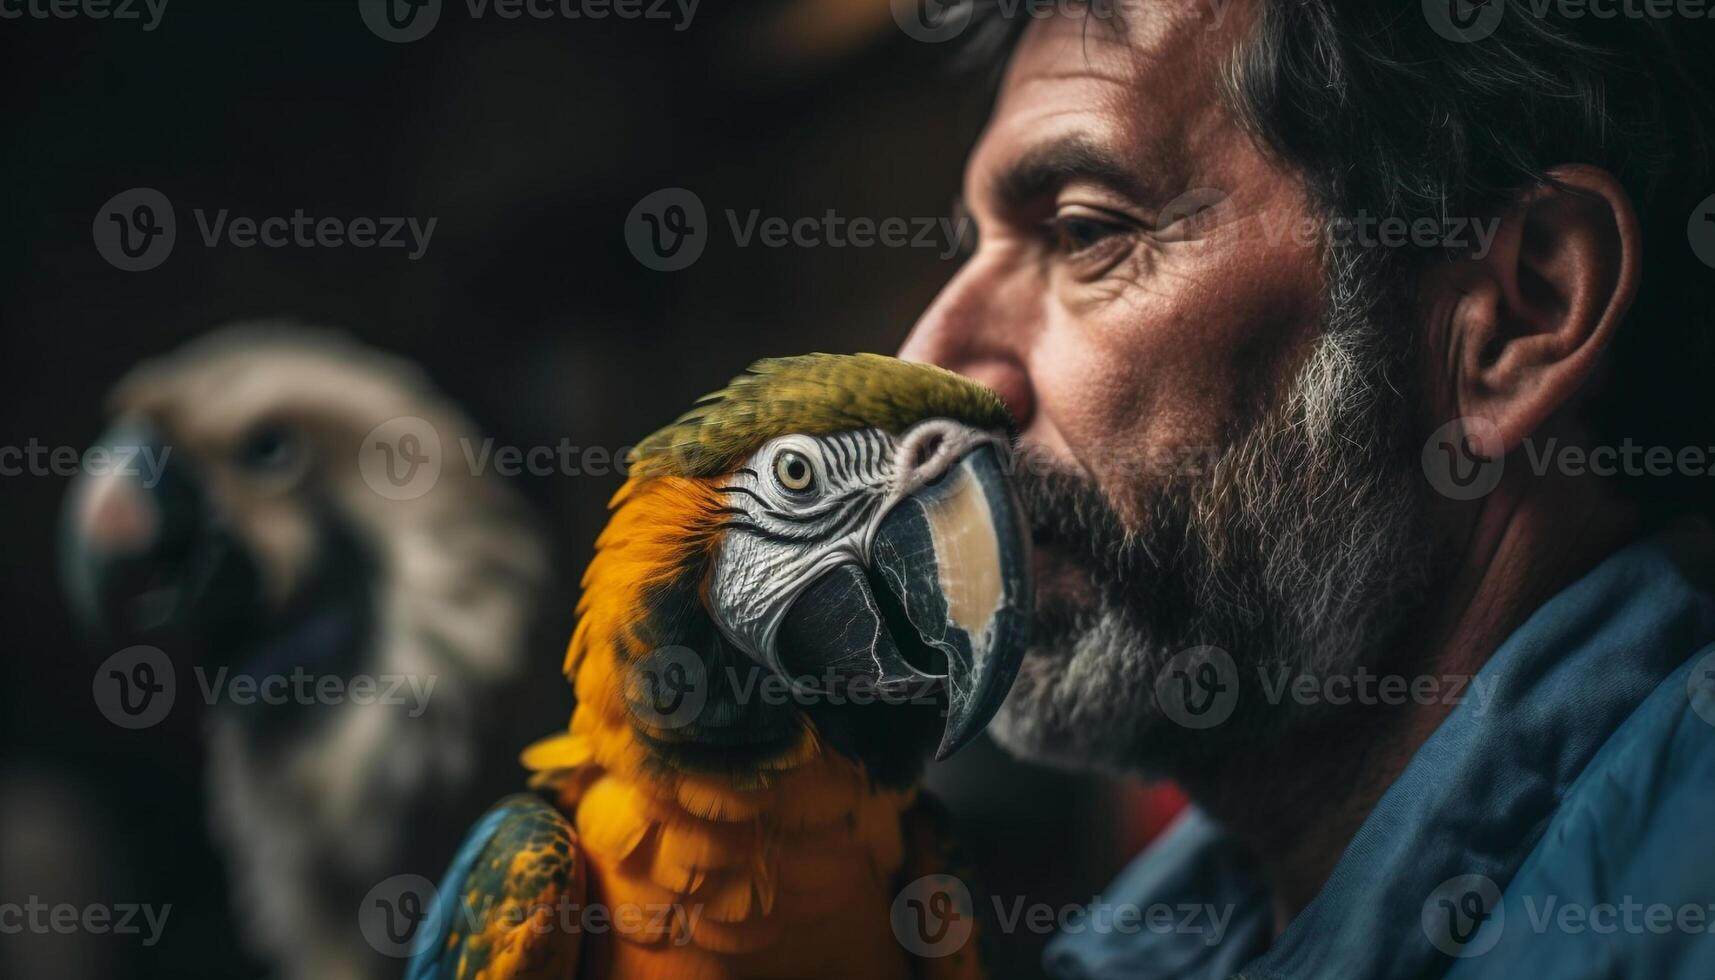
point(269, 450)
point(1074, 234)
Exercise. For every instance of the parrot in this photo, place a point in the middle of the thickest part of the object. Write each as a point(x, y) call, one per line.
point(843, 527)
point(260, 550)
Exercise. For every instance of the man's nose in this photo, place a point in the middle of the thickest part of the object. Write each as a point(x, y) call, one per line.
point(970, 329)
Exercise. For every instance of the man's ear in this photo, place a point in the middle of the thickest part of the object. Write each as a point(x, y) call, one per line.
point(1531, 317)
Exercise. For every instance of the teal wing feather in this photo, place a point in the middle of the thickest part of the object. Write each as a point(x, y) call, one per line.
point(502, 912)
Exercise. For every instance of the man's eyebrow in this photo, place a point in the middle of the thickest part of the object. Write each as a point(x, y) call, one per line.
point(1051, 166)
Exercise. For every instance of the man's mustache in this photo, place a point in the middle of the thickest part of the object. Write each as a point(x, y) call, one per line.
point(1065, 507)
point(1073, 519)
point(1069, 511)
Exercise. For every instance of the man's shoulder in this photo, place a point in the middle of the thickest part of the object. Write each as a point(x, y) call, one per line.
point(1621, 874)
point(1657, 768)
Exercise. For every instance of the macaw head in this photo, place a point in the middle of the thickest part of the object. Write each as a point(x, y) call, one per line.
point(237, 523)
point(844, 524)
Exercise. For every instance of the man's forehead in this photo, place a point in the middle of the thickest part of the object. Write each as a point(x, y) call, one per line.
point(1152, 26)
point(1120, 74)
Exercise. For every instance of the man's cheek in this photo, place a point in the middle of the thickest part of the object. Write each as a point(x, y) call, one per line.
point(1119, 293)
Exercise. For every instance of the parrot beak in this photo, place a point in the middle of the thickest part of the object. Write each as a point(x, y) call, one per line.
point(139, 551)
point(944, 599)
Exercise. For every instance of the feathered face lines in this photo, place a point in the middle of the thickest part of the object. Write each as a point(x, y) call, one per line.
point(862, 558)
point(798, 506)
point(806, 489)
point(803, 505)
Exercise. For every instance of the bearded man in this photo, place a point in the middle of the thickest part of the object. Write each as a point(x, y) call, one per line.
point(1361, 355)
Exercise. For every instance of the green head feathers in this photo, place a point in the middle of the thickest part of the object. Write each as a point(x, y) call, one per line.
point(813, 394)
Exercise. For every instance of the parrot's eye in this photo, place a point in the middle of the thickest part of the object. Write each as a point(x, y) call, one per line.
point(269, 450)
point(794, 472)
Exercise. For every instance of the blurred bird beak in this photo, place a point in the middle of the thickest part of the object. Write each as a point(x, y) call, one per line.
point(944, 599)
point(140, 550)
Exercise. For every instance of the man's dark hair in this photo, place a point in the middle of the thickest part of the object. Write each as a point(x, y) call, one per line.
point(1384, 117)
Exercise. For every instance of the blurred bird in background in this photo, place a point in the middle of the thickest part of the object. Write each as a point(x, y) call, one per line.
point(256, 535)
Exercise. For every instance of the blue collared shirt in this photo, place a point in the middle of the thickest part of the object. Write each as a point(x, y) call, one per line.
point(1561, 824)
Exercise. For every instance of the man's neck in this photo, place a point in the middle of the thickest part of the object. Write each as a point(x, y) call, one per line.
point(1300, 805)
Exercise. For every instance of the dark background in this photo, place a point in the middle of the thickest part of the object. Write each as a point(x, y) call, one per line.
point(530, 141)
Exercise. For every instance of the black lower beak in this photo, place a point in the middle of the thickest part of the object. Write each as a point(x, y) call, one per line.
point(140, 549)
point(945, 600)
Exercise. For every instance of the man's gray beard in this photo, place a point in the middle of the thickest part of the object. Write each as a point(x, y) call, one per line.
point(1300, 550)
